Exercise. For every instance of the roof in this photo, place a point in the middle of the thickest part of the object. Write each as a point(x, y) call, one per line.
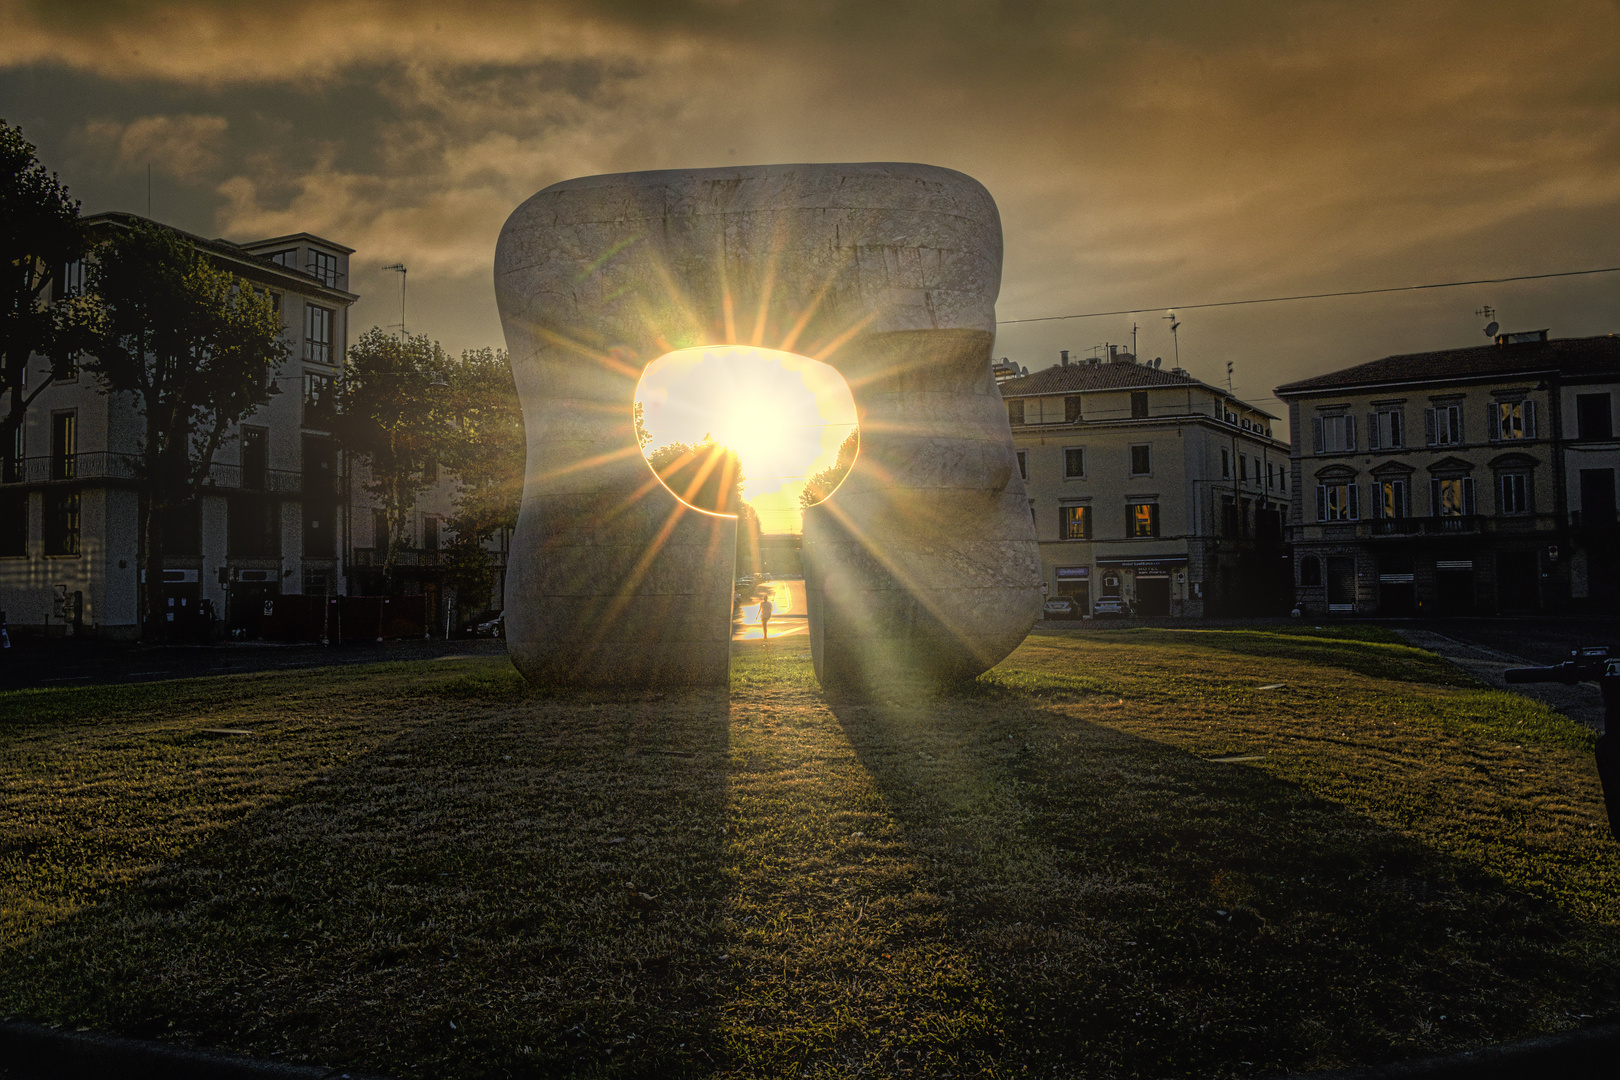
point(1566, 356)
point(1082, 377)
point(1074, 378)
point(235, 252)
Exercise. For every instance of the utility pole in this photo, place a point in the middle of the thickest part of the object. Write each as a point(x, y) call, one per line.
point(1174, 326)
point(401, 268)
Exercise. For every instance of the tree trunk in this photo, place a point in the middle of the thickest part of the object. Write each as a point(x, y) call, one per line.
point(153, 623)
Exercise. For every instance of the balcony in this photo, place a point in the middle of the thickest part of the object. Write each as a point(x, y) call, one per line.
point(1458, 525)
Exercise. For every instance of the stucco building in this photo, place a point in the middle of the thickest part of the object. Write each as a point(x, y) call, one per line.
point(1151, 487)
point(1465, 480)
point(268, 521)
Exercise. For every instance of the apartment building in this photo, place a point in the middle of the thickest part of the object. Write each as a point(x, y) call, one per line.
point(1466, 480)
point(267, 523)
point(1152, 488)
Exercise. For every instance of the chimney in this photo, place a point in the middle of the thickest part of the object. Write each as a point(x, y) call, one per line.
point(1064, 355)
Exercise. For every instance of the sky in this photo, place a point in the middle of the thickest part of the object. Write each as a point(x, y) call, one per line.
point(784, 414)
point(1150, 154)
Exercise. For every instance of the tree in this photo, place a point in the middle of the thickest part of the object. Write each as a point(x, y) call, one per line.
point(708, 476)
point(822, 484)
point(488, 452)
point(394, 419)
point(40, 234)
point(193, 345)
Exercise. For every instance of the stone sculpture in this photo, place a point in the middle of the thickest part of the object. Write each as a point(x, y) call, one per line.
point(922, 565)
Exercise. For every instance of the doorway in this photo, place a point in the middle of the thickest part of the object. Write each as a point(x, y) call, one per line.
point(1517, 581)
point(1153, 595)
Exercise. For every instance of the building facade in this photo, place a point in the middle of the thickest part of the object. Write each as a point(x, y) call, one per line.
point(1151, 488)
point(269, 520)
point(1473, 480)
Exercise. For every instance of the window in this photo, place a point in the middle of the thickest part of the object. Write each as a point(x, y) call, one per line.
point(380, 534)
point(1071, 409)
point(253, 527)
point(1338, 502)
point(1139, 405)
point(1243, 466)
point(1390, 499)
point(61, 522)
point(1226, 463)
point(1142, 519)
point(1141, 460)
point(11, 463)
point(182, 530)
point(430, 533)
point(1015, 412)
point(1452, 496)
point(255, 458)
point(1386, 428)
point(430, 471)
point(1513, 493)
point(1076, 522)
point(1257, 472)
point(1074, 462)
point(1597, 496)
point(320, 404)
point(13, 523)
point(70, 279)
point(1443, 425)
point(1023, 464)
point(1282, 480)
point(64, 447)
point(1593, 416)
point(317, 334)
point(325, 267)
point(1310, 570)
point(1515, 420)
point(1335, 433)
point(287, 257)
point(1271, 475)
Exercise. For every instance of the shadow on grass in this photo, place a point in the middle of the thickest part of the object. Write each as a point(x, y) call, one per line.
point(527, 885)
point(1132, 909)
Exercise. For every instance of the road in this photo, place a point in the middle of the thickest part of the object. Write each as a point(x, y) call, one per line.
point(789, 617)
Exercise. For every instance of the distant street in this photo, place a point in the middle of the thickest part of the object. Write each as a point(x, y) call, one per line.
point(789, 615)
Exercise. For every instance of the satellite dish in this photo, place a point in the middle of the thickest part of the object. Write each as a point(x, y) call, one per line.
point(1157, 360)
point(1490, 331)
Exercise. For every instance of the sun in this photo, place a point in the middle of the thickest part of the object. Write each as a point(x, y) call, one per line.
point(784, 416)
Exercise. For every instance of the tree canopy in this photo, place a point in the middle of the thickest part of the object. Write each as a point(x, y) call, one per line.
point(194, 347)
point(822, 484)
point(40, 235)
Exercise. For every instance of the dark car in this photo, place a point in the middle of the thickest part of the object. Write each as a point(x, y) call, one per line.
point(492, 626)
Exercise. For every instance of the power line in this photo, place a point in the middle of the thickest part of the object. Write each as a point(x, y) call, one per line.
point(1313, 296)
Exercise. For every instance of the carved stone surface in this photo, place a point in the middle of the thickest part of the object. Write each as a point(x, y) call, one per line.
point(922, 565)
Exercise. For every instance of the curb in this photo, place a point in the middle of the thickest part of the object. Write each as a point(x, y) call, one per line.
point(30, 1051)
point(1571, 1055)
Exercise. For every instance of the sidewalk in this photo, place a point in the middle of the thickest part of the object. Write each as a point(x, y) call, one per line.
point(1582, 702)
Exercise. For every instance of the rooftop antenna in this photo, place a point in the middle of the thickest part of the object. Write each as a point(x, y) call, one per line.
point(1229, 376)
point(1133, 340)
point(1170, 317)
point(1490, 313)
point(401, 268)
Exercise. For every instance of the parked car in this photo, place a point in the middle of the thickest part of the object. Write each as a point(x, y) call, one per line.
point(1061, 607)
point(1110, 608)
point(493, 626)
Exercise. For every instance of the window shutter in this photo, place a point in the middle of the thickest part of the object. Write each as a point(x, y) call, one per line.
point(1429, 425)
point(1355, 501)
point(1349, 431)
point(1455, 427)
point(1402, 507)
point(1397, 436)
point(1434, 498)
point(1468, 494)
point(1316, 432)
point(1529, 419)
point(1153, 518)
point(1321, 502)
point(1372, 431)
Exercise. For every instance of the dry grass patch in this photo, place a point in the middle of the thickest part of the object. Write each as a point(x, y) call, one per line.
point(426, 870)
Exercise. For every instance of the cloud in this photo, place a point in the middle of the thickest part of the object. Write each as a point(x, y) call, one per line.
point(178, 145)
point(1153, 152)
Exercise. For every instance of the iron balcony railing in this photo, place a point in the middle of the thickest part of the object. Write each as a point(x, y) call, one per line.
point(105, 465)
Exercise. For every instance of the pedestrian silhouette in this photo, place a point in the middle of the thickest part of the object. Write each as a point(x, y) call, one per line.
point(765, 610)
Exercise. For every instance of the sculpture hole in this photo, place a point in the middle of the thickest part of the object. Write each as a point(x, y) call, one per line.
point(734, 428)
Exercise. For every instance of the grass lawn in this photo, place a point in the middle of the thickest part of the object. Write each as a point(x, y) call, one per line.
point(426, 870)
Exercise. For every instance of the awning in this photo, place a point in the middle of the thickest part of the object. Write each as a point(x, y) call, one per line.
point(1166, 562)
